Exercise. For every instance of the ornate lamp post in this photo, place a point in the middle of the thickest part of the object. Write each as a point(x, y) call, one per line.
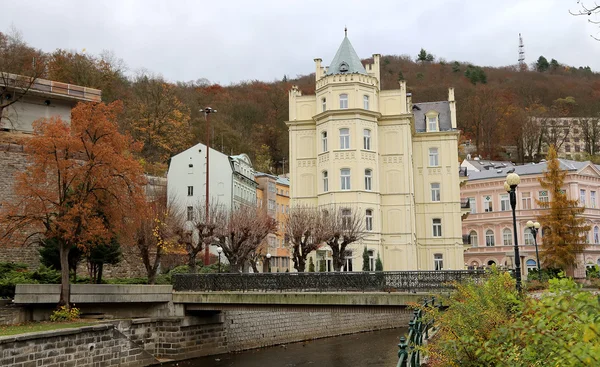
point(534, 227)
point(207, 111)
point(510, 185)
point(219, 250)
point(268, 262)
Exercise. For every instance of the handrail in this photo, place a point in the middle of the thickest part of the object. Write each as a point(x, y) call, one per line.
point(409, 355)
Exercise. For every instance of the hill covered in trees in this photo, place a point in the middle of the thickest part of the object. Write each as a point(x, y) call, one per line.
point(494, 104)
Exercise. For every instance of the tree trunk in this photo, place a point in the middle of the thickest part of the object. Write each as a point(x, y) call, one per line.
point(99, 278)
point(301, 265)
point(336, 255)
point(65, 285)
point(192, 263)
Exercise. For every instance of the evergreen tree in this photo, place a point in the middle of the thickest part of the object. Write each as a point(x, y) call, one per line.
point(475, 74)
point(50, 256)
point(400, 76)
point(456, 67)
point(311, 265)
point(429, 58)
point(378, 264)
point(542, 64)
point(365, 266)
point(103, 253)
point(554, 64)
point(322, 268)
point(422, 56)
point(565, 230)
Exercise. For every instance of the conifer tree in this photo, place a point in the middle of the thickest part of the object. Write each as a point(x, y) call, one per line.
point(311, 265)
point(365, 266)
point(564, 234)
point(378, 264)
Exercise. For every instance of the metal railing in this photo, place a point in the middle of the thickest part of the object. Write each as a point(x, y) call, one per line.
point(409, 354)
point(388, 281)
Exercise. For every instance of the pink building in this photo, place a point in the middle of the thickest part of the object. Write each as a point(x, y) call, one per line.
point(488, 229)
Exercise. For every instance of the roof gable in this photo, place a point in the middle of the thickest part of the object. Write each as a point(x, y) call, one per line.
point(589, 170)
point(346, 61)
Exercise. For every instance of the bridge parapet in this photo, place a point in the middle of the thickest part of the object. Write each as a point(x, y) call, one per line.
point(388, 281)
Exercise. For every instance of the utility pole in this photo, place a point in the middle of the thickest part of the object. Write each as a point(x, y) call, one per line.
point(522, 65)
point(283, 162)
point(207, 111)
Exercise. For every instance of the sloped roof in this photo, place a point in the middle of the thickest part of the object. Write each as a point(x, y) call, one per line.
point(443, 108)
point(346, 56)
point(483, 164)
point(527, 169)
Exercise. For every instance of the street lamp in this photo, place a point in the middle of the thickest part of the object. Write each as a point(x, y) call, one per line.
point(268, 262)
point(219, 250)
point(207, 111)
point(534, 227)
point(510, 185)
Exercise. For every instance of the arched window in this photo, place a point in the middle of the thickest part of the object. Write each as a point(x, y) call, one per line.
point(596, 235)
point(344, 138)
point(367, 139)
point(369, 220)
point(325, 181)
point(507, 237)
point(528, 237)
point(474, 239)
point(489, 238)
point(531, 265)
point(368, 179)
point(491, 262)
point(324, 141)
point(366, 102)
point(343, 101)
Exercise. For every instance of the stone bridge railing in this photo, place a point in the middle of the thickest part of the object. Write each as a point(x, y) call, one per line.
point(388, 281)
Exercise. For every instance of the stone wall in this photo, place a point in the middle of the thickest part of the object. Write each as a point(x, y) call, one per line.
point(11, 314)
point(256, 329)
point(100, 345)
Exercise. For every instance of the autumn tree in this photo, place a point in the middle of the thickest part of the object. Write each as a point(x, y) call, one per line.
point(153, 236)
point(263, 161)
point(342, 227)
point(243, 232)
point(20, 67)
point(565, 230)
point(306, 232)
point(157, 118)
point(590, 131)
point(82, 185)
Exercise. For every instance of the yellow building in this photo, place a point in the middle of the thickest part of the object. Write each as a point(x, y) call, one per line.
point(359, 147)
point(273, 196)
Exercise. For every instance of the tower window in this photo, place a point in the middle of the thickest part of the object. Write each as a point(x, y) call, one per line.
point(369, 220)
point(325, 182)
point(323, 104)
point(433, 157)
point(366, 102)
point(367, 139)
point(343, 101)
point(324, 141)
point(345, 178)
point(368, 179)
point(344, 138)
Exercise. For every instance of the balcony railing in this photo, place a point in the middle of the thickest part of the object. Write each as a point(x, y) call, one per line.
point(396, 281)
point(20, 82)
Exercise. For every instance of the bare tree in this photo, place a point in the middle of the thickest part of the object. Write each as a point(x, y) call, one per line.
point(533, 136)
point(20, 67)
point(305, 230)
point(555, 133)
point(587, 11)
point(244, 230)
point(194, 231)
point(343, 226)
point(590, 130)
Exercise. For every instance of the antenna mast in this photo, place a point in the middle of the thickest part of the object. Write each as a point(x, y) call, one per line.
point(522, 65)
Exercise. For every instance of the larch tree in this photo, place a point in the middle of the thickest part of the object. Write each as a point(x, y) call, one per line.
point(305, 231)
point(82, 186)
point(564, 234)
point(243, 233)
point(343, 227)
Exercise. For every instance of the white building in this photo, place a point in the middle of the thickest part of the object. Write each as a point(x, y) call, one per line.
point(244, 186)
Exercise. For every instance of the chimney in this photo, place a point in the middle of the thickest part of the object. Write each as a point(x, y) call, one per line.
point(452, 103)
point(319, 70)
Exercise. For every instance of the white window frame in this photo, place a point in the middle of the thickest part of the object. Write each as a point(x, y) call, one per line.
point(434, 159)
point(438, 262)
point(582, 197)
point(347, 261)
point(369, 220)
point(371, 254)
point(507, 237)
point(344, 138)
point(343, 101)
point(490, 239)
point(526, 202)
point(593, 199)
point(325, 177)
point(368, 179)
point(366, 102)
point(543, 198)
point(324, 141)
point(323, 104)
point(436, 192)
point(432, 124)
point(190, 213)
point(473, 205)
point(488, 205)
point(473, 238)
point(436, 227)
point(345, 179)
point(190, 190)
point(596, 235)
point(346, 217)
point(528, 237)
point(367, 139)
point(504, 203)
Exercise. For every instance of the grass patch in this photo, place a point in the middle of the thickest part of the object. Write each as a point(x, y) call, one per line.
point(33, 327)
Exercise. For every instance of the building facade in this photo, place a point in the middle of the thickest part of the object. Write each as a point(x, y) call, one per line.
point(488, 228)
point(42, 99)
point(244, 186)
point(356, 146)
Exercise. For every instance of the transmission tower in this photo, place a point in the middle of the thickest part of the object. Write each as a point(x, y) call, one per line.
point(522, 65)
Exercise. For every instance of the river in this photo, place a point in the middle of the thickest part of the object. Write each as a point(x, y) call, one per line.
point(371, 349)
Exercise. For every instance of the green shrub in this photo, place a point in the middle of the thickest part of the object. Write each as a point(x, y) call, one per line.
point(126, 281)
point(535, 285)
point(593, 272)
point(65, 314)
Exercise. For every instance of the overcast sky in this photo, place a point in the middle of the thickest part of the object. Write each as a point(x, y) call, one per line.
point(230, 41)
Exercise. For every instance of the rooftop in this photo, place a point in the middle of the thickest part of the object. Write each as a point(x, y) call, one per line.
point(529, 169)
point(442, 108)
point(346, 61)
point(52, 88)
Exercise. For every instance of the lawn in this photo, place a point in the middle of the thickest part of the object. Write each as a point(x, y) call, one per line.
point(33, 327)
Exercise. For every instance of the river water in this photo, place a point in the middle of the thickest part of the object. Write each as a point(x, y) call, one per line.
point(371, 349)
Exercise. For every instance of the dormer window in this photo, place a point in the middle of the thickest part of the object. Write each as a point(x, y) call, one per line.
point(344, 67)
point(432, 119)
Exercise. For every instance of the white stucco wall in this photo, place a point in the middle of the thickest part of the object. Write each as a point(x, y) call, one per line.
point(20, 115)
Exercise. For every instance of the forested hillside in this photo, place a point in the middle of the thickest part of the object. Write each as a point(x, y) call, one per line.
point(494, 104)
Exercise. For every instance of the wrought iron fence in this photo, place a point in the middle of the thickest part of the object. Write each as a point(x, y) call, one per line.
point(388, 281)
point(409, 354)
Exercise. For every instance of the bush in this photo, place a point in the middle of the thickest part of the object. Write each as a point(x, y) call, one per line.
point(126, 281)
point(65, 314)
point(593, 272)
point(535, 285)
point(544, 275)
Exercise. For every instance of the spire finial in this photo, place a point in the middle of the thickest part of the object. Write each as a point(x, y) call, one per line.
point(345, 31)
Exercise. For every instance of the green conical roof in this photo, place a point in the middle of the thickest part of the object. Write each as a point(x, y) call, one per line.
point(346, 61)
